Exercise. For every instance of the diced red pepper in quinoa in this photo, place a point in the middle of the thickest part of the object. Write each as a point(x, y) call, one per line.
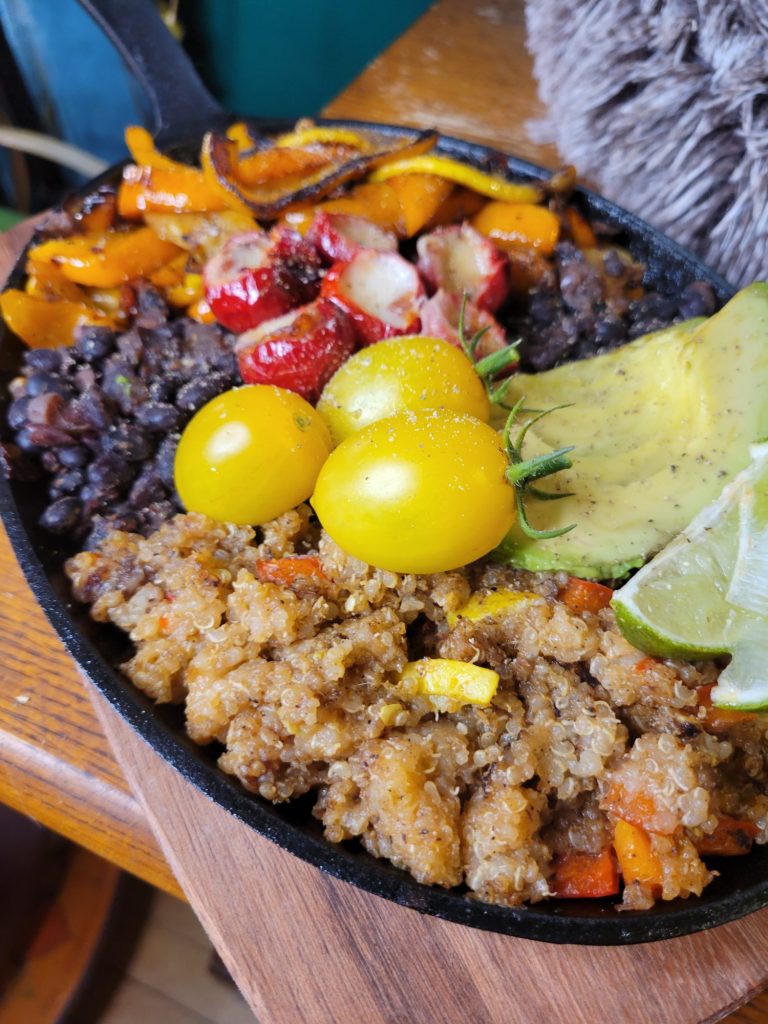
point(585, 875)
point(288, 571)
point(585, 595)
point(731, 838)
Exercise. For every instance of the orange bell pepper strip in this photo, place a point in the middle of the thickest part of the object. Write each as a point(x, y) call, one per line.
point(146, 189)
point(46, 281)
point(105, 261)
point(266, 165)
point(421, 196)
point(378, 203)
point(731, 838)
point(461, 204)
point(98, 214)
point(637, 861)
point(519, 226)
point(585, 595)
point(47, 324)
point(143, 151)
point(304, 569)
point(720, 719)
point(585, 875)
point(581, 232)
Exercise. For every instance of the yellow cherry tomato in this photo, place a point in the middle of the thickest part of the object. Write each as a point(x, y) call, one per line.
point(409, 372)
point(250, 454)
point(417, 492)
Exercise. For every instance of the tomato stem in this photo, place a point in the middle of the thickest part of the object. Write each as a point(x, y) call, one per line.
point(522, 472)
point(491, 365)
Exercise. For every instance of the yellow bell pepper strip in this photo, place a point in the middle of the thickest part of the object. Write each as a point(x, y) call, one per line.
point(311, 134)
point(143, 151)
point(490, 185)
point(105, 261)
point(637, 861)
point(180, 287)
point(146, 189)
point(519, 226)
point(497, 602)
point(581, 875)
point(112, 301)
point(388, 713)
point(47, 324)
point(200, 233)
point(240, 134)
point(443, 677)
point(219, 161)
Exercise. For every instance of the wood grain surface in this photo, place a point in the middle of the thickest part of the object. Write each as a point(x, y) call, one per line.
point(301, 945)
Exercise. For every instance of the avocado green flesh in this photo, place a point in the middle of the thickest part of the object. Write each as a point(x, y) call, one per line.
point(659, 427)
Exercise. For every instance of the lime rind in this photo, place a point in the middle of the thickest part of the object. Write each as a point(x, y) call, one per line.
point(678, 605)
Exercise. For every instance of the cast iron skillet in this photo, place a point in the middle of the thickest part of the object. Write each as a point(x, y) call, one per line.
point(183, 109)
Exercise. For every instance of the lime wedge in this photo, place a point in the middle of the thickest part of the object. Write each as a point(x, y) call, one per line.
point(705, 593)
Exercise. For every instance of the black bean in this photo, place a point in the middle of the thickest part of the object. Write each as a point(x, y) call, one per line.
point(61, 516)
point(68, 482)
point(131, 347)
point(158, 416)
point(94, 408)
point(165, 457)
point(42, 383)
point(609, 333)
point(24, 441)
point(17, 412)
point(96, 496)
point(46, 359)
point(128, 441)
point(45, 435)
point(147, 488)
point(110, 470)
point(698, 299)
point(195, 394)
point(161, 389)
point(72, 458)
point(94, 343)
point(50, 461)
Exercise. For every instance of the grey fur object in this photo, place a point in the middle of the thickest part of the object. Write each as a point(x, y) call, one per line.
point(664, 104)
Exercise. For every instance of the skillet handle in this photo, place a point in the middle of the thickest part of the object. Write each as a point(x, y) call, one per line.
point(182, 107)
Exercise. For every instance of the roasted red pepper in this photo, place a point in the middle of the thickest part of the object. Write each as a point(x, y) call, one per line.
point(299, 351)
point(380, 291)
point(257, 277)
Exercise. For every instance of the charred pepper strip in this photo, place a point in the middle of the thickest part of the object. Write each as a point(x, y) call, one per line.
point(219, 160)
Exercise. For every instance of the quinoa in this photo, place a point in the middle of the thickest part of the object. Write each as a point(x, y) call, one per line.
point(299, 685)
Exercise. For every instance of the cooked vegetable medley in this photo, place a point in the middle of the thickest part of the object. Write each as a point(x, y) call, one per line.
point(277, 405)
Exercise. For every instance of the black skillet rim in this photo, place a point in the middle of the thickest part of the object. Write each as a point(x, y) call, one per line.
point(577, 922)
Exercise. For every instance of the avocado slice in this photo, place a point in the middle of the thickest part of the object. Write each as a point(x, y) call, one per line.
point(659, 427)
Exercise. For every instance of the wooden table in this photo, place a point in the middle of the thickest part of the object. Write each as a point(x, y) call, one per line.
point(463, 69)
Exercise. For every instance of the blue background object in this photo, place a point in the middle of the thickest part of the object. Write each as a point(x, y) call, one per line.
point(260, 57)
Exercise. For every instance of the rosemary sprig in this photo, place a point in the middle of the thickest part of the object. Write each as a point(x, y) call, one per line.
point(490, 366)
point(522, 472)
